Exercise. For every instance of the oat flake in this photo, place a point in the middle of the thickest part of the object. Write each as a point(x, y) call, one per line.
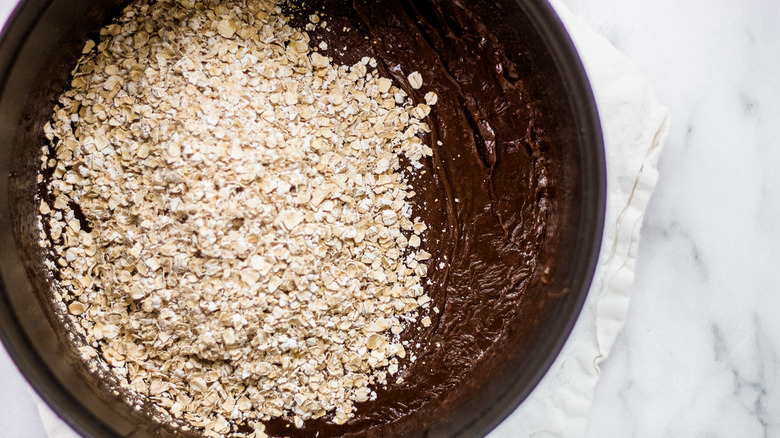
point(250, 250)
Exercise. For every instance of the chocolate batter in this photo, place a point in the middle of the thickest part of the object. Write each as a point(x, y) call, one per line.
point(483, 195)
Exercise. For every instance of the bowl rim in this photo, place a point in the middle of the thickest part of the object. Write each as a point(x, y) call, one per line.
point(580, 95)
point(14, 33)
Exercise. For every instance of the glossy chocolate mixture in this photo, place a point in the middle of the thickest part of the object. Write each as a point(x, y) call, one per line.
point(483, 194)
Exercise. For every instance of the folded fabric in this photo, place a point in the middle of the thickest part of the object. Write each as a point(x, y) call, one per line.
point(634, 126)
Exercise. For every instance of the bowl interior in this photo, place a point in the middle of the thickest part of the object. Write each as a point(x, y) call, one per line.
point(39, 46)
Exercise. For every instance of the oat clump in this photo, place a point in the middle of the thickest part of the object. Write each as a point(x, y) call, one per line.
point(247, 248)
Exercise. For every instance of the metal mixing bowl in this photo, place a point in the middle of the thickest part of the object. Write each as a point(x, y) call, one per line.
point(39, 46)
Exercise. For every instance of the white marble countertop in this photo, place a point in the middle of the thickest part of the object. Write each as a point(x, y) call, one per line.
point(699, 355)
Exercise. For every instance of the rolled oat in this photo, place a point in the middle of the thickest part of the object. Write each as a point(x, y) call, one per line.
point(248, 249)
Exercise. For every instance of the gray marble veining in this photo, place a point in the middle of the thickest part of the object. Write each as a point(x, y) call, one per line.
point(698, 356)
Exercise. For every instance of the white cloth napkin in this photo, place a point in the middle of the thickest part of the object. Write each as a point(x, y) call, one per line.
point(634, 126)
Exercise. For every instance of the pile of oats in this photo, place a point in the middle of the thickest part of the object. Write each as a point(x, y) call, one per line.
point(247, 248)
